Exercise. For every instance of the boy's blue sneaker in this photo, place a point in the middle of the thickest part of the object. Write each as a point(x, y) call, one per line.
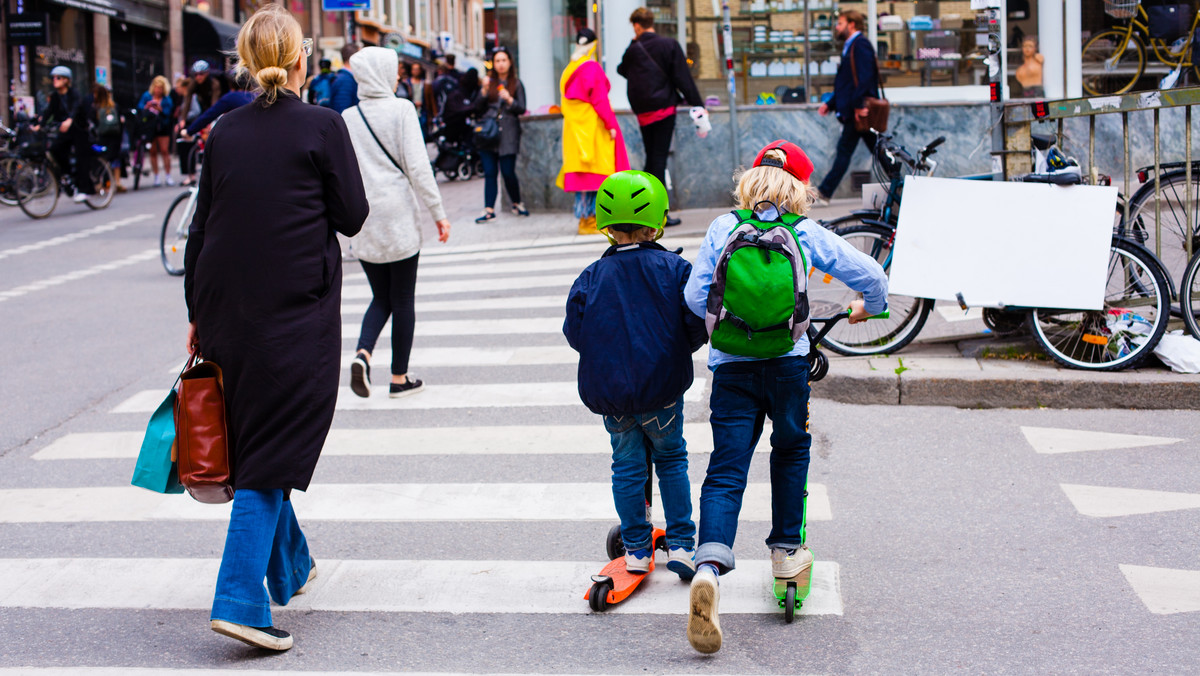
point(682, 562)
point(638, 560)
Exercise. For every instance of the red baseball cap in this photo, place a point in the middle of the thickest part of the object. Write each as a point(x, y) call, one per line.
point(795, 161)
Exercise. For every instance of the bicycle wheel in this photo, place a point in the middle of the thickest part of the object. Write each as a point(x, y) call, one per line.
point(1166, 236)
point(828, 296)
point(37, 189)
point(172, 243)
point(1189, 295)
point(10, 167)
point(1112, 64)
point(103, 184)
point(1124, 333)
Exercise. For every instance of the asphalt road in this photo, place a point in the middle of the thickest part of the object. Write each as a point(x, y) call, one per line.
point(960, 542)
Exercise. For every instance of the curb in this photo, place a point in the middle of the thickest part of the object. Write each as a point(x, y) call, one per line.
point(973, 383)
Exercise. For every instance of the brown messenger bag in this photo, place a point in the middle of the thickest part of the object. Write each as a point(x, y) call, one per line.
point(877, 108)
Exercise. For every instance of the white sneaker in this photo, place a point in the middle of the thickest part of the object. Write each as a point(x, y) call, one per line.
point(170, 181)
point(704, 629)
point(789, 563)
point(682, 562)
point(157, 181)
point(638, 561)
point(80, 198)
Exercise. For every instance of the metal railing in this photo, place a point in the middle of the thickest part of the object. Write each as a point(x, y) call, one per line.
point(1019, 119)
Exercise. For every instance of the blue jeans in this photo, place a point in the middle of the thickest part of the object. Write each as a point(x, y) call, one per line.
point(264, 541)
point(505, 165)
point(744, 393)
point(656, 436)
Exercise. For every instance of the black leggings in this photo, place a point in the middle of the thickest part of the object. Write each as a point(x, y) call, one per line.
point(392, 287)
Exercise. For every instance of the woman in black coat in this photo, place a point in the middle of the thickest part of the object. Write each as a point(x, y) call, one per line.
point(263, 287)
point(503, 99)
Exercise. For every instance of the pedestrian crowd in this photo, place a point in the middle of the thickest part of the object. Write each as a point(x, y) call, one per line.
point(283, 176)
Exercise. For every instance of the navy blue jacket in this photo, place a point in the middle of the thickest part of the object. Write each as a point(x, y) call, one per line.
point(635, 335)
point(345, 91)
point(231, 101)
point(847, 97)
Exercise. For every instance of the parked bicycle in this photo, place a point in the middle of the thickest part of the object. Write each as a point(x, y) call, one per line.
point(1189, 295)
point(141, 134)
point(10, 166)
point(1123, 334)
point(172, 242)
point(41, 180)
point(1114, 59)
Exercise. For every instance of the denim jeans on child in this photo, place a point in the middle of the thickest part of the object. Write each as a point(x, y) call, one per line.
point(743, 393)
point(264, 541)
point(659, 433)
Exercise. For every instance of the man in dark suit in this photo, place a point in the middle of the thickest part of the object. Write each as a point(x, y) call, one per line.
point(658, 78)
point(858, 65)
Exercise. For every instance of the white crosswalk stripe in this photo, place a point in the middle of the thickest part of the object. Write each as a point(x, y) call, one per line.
point(474, 327)
point(388, 586)
point(488, 395)
point(498, 440)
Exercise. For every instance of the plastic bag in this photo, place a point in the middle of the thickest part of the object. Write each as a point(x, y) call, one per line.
point(700, 119)
point(1179, 351)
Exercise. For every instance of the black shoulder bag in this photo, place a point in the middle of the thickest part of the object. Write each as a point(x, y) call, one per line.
point(381, 147)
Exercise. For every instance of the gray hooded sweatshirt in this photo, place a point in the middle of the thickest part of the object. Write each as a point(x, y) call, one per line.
point(391, 232)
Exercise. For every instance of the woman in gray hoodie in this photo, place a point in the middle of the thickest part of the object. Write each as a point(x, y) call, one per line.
point(387, 138)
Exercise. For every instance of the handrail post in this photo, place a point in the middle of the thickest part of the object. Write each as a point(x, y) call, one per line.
point(1157, 191)
point(1187, 163)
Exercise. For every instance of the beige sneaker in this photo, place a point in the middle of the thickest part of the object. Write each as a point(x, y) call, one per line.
point(704, 629)
point(789, 563)
point(268, 638)
point(312, 575)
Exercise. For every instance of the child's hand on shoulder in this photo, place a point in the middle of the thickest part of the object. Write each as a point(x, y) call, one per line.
point(858, 313)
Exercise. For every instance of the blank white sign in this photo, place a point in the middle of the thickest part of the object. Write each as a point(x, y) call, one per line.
point(1004, 244)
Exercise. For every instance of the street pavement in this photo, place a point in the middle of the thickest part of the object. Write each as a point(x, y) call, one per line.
point(455, 530)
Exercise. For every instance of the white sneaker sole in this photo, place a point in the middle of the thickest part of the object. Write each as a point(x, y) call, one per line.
point(704, 629)
point(312, 575)
point(251, 636)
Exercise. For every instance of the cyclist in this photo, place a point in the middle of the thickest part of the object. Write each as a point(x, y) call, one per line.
point(69, 113)
point(236, 98)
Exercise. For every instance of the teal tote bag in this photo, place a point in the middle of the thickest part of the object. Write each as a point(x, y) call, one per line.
point(155, 469)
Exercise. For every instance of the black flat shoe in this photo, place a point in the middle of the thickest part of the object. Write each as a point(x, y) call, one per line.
point(487, 216)
point(672, 221)
point(519, 210)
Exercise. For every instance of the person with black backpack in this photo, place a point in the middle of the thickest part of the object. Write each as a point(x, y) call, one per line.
point(749, 282)
point(659, 80)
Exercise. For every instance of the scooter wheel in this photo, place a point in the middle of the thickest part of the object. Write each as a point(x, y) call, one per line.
point(598, 597)
point(614, 546)
point(789, 603)
point(820, 366)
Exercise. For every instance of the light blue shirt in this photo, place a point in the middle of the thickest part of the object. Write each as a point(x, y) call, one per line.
point(846, 47)
point(825, 251)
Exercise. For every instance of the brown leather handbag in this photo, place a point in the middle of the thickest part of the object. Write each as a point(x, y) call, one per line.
point(877, 108)
point(201, 437)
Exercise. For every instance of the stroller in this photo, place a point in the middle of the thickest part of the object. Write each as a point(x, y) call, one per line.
point(457, 157)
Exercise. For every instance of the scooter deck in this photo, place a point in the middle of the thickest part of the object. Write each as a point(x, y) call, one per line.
point(623, 581)
point(803, 585)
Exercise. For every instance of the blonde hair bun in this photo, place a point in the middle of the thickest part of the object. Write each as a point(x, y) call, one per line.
point(271, 77)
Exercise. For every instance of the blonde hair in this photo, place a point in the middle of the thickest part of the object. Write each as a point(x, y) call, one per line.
point(268, 45)
point(774, 185)
point(160, 81)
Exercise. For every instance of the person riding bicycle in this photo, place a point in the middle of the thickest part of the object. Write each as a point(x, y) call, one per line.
point(68, 113)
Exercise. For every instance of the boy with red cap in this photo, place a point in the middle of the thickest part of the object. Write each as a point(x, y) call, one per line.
point(747, 389)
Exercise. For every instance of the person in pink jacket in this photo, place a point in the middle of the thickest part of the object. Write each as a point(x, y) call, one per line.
point(593, 148)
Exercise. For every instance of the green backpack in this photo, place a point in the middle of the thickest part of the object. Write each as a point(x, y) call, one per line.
point(758, 300)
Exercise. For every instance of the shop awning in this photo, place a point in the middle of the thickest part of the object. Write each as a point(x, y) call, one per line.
point(205, 34)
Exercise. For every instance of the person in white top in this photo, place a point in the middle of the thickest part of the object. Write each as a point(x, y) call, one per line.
point(387, 137)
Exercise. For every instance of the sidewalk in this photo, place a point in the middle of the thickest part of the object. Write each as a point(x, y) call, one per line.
point(945, 366)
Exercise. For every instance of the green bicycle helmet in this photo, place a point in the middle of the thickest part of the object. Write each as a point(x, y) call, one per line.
point(631, 198)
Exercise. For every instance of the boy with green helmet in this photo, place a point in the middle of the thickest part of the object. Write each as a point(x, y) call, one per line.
point(635, 336)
